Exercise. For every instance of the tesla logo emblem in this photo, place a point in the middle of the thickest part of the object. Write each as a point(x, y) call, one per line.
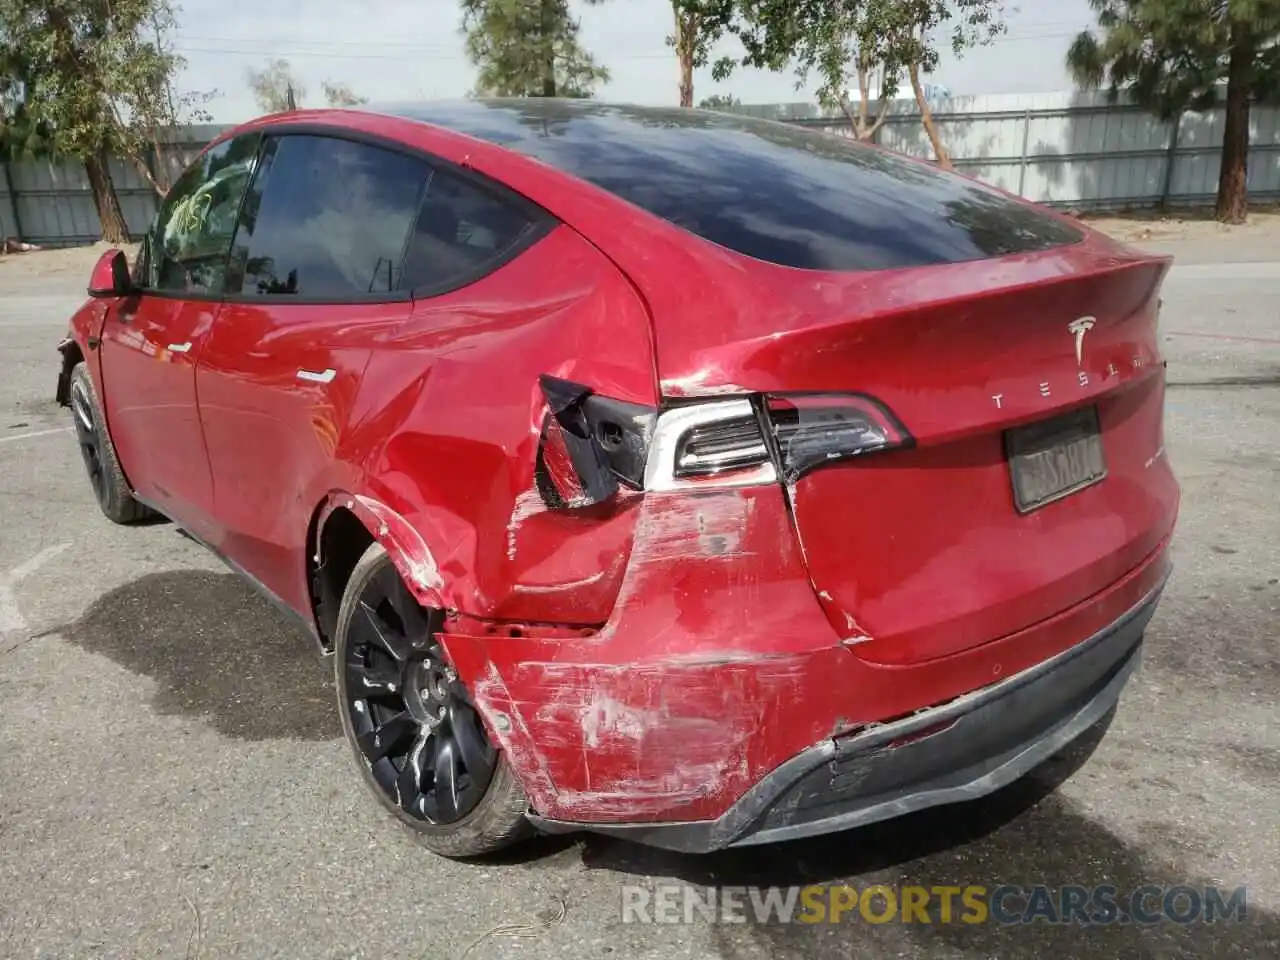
point(1078, 328)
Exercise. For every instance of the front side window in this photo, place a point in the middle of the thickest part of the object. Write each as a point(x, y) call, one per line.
point(186, 249)
point(326, 218)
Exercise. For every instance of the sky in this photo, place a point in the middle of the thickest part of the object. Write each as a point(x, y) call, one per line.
point(397, 50)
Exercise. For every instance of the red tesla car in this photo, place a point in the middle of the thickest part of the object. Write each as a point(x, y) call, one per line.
point(674, 475)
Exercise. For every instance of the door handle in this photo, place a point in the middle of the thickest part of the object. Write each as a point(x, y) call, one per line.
point(313, 376)
point(180, 347)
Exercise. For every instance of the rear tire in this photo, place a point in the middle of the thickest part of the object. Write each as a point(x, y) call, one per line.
point(414, 733)
point(110, 488)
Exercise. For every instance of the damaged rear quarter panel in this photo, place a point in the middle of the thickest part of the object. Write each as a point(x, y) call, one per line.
point(452, 414)
point(668, 711)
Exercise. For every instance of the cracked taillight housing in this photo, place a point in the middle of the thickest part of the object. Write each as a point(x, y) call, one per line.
point(591, 445)
point(811, 430)
point(774, 437)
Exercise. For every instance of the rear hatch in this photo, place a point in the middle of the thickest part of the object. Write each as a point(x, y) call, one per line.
point(1033, 476)
point(1036, 478)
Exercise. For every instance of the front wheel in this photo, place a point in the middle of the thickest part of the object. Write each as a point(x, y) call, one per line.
point(110, 488)
point(414, 732)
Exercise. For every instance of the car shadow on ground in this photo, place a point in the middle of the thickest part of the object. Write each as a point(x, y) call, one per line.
point(216, 650)
point(1025, 835)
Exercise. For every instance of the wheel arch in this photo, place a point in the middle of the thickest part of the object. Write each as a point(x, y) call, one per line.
point(342, 528)
point(71, 356)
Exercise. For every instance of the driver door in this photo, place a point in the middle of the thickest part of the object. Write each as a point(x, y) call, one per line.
point(152, 339)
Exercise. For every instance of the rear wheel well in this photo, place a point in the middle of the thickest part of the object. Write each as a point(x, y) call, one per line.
point(337, 549)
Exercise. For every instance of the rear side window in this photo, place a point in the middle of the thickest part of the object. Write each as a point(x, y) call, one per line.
point(773, 191)
point(462, 231)
point(327, 218)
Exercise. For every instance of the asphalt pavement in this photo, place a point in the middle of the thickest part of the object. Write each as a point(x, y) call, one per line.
point(173, 782)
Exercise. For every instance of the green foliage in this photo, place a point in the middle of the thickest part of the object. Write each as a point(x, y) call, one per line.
point(271, 87)
point(528, 48)
point(1175, 55)
point(20, 136)
point(341, 95)
point(854, 43)
point(96, 76)
point(719, 101)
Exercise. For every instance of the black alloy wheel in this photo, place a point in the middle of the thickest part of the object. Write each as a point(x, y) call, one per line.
point(90, 440)
point(110, 488)
point(411, 719)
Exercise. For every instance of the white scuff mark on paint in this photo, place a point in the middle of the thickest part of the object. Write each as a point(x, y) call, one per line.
point(854, 641)
point(558, 587)
point(605, 717)
point(420, 565)
point(11, 618)
point(1154, 457)
point(696, 385)
point(825, 595)
point(527, 505)
point(679, 525)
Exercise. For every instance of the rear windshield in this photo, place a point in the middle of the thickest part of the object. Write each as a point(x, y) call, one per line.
point(773, 191)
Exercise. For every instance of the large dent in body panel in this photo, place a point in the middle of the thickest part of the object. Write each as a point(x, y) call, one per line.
point(455, 427)
point(405, 547)
point(662, 709)
point(713, 671)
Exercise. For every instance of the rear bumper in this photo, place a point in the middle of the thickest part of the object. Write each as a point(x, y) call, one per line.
point(960, 750)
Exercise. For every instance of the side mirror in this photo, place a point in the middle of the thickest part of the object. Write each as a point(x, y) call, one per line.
point(110, 277)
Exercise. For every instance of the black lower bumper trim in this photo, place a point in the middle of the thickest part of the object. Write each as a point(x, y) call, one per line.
point(960, 750)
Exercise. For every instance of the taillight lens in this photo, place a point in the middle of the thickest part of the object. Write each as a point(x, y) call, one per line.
point(816, 429)
point(714, 448)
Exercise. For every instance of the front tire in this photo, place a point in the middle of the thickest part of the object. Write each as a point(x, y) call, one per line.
point(110, 488)
point(414, 732)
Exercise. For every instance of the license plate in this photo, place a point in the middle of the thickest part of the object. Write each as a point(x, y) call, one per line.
point(1054, 459)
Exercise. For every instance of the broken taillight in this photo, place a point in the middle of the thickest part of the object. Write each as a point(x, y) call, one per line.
point(783, 436)
point(815, 429)
point(591, 444)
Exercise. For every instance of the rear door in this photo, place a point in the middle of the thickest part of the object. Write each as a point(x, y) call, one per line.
point(152, 340)
point(315, 267)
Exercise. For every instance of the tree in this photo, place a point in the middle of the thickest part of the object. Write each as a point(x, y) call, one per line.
point(962, 24)
point(274, 87)
point(845, 42)
point(699, 26)
point(841, 39)
point(85, 68)
point(340, 95)
point(148, 102)
point(528, 48)
point(719, 101)
point(1171, 56)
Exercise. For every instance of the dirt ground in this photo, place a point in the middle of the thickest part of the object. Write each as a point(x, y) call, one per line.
point(1187, 226)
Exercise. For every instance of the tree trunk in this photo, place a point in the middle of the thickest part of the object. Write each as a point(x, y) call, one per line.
point(1233, 178)
point(548, 49)
point(926, 118)
point(110, 216)
point(686, 33)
